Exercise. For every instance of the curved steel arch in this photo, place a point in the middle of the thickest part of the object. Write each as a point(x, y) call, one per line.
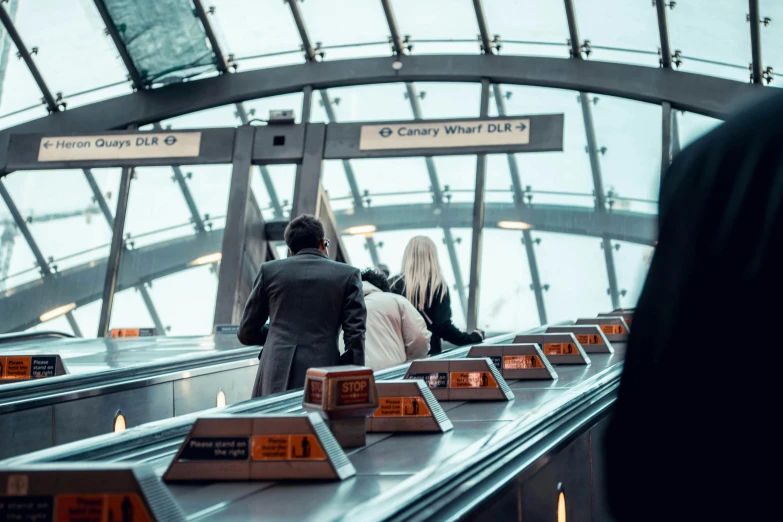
point(706, 95)
point(22, 306)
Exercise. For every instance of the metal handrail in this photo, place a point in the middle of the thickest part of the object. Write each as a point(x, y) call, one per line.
point(33, 336)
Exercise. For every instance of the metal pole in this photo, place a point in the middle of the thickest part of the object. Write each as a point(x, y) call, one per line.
point(666, 137)
point(145, 295)
point(663, 33)
point(307, 47)
point(390, 20)
point(611, 272)
point(573, 30)
point(486, 43)
point(73, 324)
point(519, 201)
point(228, 309)
point(115, 252)
point(675, 134)
point(133, 72)
point(592, 150)
point(213, 41)
point(5, 47)
point(308, 179)
point(51, 103)
point(755, 41)
point(478, 221)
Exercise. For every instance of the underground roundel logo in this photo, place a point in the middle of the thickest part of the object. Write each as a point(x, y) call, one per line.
point(385, 132)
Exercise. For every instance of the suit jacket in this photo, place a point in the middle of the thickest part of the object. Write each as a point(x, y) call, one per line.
point(307, 298)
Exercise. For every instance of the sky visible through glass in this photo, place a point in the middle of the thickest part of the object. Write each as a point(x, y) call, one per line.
point(75, 57)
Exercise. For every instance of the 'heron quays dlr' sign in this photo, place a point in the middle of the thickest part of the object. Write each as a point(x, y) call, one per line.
point(120, 146)
point(427, 135)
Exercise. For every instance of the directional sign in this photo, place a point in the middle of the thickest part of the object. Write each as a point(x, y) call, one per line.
point(120, 146)
point(450, 134)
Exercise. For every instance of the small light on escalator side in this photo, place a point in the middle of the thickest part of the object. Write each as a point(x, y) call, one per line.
point(561, 507)
point(119, 421)
point(220, 401)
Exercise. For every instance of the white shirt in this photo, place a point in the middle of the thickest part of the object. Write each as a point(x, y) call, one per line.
point(396, 332)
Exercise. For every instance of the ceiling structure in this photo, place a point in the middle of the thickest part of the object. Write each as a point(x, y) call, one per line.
point(78, 65)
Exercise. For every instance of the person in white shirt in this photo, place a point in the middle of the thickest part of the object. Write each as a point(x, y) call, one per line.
point(396, 331)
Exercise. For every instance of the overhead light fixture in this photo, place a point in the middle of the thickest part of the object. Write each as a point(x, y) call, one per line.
point(360, 230)
point(57, 312)
point(207, 260)
point(119, 421)
point(397, 64)
point(514, 225)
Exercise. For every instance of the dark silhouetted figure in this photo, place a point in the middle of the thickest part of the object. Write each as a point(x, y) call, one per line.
point(694, 434)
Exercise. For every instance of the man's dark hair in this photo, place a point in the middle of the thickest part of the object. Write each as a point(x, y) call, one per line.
point(376, 278)
point(304, 231)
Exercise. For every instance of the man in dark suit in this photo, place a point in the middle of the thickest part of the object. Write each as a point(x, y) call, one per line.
point(307, 298)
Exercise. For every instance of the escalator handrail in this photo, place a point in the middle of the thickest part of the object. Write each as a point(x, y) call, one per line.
point(33, 336)
point(155, 433)
point(443, 487)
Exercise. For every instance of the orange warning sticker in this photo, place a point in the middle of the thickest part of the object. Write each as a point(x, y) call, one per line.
point(472, 380)
point(589, 339)
point(521, 362)
point(287, 447)
point(402, 407)
point(559, 349)
point(612, 329)
point(2, 367)
point(15, 367)
point(133, 332)
point(101, 508)
point(270, 447)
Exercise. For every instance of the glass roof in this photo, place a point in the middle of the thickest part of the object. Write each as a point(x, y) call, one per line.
point(167, 42)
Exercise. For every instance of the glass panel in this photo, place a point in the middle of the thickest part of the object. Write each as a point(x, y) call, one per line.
point(692, 126)
point(164, 249)
point(365, 103)
point(717, 31)
point(507, 303)
point(18, 90)
point(457, 175)
point(437, 20)
point(631, 163)
point(772, 36)
point(521, 22)
point(356, 245)
point(282, 178)
point(619, 24)
point(70, 64)
point(347, 22)
point(632, 261)
point(449, 100)
point(251, 31)
point(550, 177)
point(575, 270)
point(164, 38)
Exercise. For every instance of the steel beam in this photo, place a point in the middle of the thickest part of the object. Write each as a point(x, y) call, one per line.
point(228, 308)
point(396, 41)
point(757, 67)
point(519, 201)
point(573, 30)
point(479, 198)
point(49, 100)
point(481, 19)
point(115, 252)
point(266, 177)
point(308, 181)
point(600, 196)
point(307, 45)
point(220, 60)
point(437, 198)
point(663, 32)
point(710, 96)
point(358, 203)
point(133, 73)
point(147, 298)
point(666, 137)
point(73, 324)
point(198, 222)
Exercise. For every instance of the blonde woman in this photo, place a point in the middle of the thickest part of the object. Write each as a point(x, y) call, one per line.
point(421, 282)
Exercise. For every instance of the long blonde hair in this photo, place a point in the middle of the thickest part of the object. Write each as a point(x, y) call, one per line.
point(422, 274)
